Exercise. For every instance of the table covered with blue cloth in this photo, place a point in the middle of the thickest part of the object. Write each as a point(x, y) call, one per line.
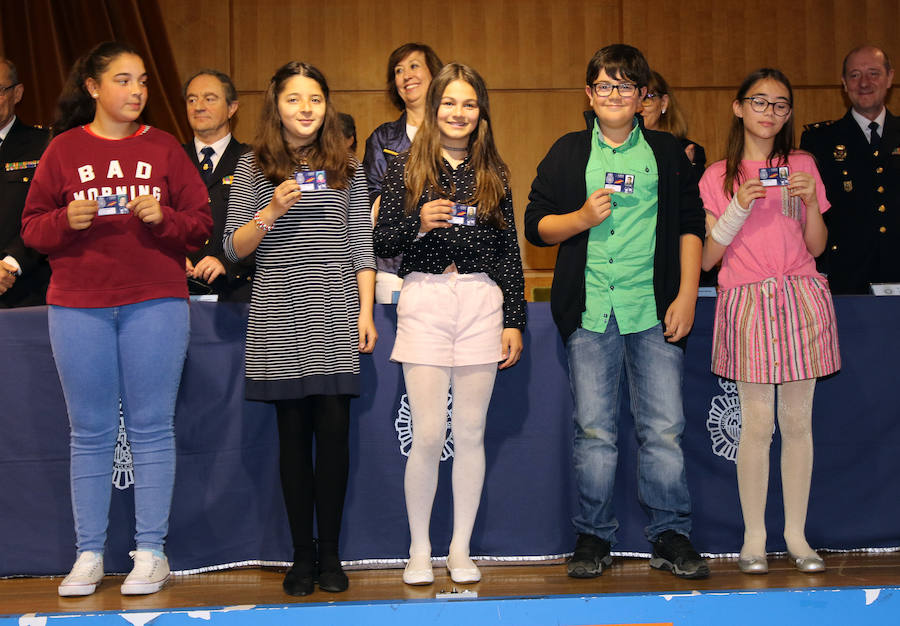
point(227, 507)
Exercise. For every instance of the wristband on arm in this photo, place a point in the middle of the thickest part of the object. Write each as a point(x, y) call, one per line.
point(726, 227)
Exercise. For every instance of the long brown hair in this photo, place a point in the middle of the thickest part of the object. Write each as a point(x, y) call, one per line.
point(425, 161)
point(734, 150)
point(276, 159)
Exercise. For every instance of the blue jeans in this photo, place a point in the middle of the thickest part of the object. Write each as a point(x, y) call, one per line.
point(653, 370)
point(134, 352)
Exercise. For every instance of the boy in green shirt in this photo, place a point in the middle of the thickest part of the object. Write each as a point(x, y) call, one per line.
point(624, 206)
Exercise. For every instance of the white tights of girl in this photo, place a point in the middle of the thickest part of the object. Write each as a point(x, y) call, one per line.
point(427, 387)
point(757, 423)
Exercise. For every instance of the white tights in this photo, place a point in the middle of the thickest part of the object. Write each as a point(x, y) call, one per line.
point(795, 424)
point(427, 387)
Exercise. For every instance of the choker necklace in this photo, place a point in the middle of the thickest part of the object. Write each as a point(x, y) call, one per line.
point(302, 154)
point(454, 149)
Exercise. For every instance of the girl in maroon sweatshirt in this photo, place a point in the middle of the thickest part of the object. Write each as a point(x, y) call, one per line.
point(116, 204)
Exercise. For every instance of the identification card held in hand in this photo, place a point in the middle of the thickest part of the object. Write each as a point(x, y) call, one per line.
point(112, 205)
point(622, 183)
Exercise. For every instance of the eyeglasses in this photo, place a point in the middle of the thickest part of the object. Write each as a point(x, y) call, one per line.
point(761, 104)
point(649, 98)
point(4, 90)
point(603, 90)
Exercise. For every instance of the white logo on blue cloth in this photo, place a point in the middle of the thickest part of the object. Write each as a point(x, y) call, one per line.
point(724, 421)
point(403, 425)
point(123, 464)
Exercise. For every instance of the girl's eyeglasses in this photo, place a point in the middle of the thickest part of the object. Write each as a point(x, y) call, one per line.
point(761, 104)
point(649, 98)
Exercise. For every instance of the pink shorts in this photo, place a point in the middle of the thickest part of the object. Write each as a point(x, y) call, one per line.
point(449, 320)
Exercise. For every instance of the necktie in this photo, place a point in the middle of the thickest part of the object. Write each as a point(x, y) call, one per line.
point(206, 165)
point(874, 137)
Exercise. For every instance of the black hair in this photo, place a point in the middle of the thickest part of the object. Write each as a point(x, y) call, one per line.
point(619, 60)
point(75, 106)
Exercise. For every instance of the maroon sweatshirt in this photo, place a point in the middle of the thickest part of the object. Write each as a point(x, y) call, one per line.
point(119, 259)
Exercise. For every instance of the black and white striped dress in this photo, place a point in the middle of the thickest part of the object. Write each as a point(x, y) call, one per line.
point(302, 336)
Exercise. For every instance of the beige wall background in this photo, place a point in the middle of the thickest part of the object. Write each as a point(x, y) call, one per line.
point(533, 55)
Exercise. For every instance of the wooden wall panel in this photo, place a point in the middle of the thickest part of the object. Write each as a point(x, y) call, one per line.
point(199, 32)
point(533, 55)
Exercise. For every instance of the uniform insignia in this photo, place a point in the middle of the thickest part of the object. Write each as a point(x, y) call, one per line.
point(818, 125)
point(840, 152)
point(228, 180)
point(20, 165)
point(848, 185)
point(205, 166)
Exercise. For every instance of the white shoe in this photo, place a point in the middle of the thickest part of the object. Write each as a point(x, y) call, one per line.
point(149, 574)
point(418, 571)
point(86, 574)
point(463, 570)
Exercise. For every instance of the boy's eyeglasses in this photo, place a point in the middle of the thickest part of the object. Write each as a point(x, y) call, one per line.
point(603, 90)
point(761, 104)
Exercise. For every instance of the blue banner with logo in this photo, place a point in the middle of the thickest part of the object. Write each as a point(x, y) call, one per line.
point(227, 505)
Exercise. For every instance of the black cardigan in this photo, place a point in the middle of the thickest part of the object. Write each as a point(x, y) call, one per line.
point(559, 188)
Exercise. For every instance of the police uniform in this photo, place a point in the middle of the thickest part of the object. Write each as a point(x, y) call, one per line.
point(19, 156)
point(234, 286)
point(863, 186)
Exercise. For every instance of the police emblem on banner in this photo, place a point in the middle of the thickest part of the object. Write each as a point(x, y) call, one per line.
point(403, 426)
point(123, 464)
point(724, 421)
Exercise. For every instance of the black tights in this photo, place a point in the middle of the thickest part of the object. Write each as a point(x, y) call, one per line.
point(327, 419)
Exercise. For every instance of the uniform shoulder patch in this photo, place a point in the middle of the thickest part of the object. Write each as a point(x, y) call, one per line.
point(815, 125)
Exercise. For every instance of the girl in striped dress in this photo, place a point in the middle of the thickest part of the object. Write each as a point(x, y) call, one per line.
point(775, 330)
point(311, 306)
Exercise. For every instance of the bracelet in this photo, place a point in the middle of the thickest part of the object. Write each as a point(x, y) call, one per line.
point(261, 225)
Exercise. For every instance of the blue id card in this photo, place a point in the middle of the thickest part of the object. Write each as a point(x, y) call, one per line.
point(312, 180)
point(774, 176)
point(112, 205)
point(463, 214)
point(622, 183)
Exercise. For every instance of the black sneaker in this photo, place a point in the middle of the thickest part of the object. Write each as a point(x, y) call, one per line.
point(591, 557)
point(674, 553)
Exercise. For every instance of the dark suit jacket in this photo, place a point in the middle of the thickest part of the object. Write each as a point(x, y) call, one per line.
point(863, 187)
point(235, 286)
point(23, 143)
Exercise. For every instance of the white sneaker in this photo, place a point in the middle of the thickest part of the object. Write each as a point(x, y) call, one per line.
point(149, 574)
point(86, 574)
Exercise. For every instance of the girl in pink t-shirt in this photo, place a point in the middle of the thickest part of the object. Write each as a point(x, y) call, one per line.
point(775, 325)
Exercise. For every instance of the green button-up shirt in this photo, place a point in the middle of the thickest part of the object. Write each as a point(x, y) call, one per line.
point(619, 269)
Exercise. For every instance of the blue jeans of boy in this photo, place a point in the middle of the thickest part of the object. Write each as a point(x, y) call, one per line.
point(134, 352)
point(653, 370)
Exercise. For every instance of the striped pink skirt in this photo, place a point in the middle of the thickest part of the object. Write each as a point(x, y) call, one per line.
point(766, 333)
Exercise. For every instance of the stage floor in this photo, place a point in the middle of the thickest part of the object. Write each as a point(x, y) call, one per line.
point(262, 586)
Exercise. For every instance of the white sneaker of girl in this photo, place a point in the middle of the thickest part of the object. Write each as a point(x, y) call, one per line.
point(150, 573)
point(86, 574)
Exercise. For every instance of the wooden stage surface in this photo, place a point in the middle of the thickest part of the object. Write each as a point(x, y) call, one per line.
point(262, 586)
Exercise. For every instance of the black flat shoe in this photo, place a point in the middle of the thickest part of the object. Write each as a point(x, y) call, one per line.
point(334, 581)
point(331, 575)
point(299, 580)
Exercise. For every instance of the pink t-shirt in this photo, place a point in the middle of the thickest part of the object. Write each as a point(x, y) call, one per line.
point(770, 243)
